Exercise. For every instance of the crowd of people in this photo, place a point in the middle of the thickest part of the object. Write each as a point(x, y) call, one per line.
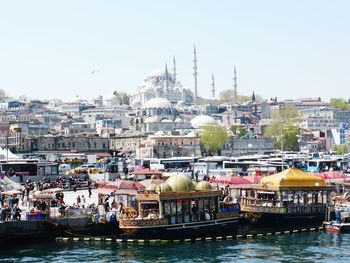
point(9, 206)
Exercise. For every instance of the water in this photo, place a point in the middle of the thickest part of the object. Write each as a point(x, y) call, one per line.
point(298, 247)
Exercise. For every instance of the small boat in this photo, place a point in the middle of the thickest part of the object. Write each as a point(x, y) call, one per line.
point(180, 209)
point(341, 224)
point(337, 227)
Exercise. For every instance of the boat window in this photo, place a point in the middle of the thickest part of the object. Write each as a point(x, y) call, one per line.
point(172, 205)
point(54, 170)
point(186, 211)
point(179, 212)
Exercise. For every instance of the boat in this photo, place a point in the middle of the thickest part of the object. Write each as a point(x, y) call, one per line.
point(288, 198)
point(338, 218)
point(338, 227)
point(179, 209)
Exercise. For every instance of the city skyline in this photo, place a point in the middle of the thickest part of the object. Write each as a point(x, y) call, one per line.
point(286, 50)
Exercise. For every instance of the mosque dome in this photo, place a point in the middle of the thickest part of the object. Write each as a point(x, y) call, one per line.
point(180, 183)
point(151, 119)
point(203, 186)
point(163, 188)
point(157, 103)
point(178, 120)
point(203, 120)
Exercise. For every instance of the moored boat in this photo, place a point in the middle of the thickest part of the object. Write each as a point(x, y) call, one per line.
point(337, 227)
point(289, 198)
point(179, 209)
point(341, 224)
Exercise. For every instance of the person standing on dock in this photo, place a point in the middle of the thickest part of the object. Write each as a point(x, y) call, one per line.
point(83, 201)
point(89, 190)
point(78, 200)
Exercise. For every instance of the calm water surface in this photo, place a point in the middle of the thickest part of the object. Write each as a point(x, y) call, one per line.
point(298, 247)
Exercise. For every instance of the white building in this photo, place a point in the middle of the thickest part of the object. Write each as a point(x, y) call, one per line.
point(162, 84)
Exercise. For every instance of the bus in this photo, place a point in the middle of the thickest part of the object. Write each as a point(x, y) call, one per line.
point(170, 164)
point(322, 165)
point(20, 170)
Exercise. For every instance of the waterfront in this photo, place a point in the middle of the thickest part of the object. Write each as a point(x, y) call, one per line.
point(299, 247)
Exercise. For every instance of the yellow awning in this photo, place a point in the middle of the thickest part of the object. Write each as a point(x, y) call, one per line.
point(292, 177)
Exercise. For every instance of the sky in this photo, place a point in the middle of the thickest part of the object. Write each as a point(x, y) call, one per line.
point(284, 49)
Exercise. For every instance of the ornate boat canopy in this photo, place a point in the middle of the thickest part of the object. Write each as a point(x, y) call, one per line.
point(291, 178)
point(179, 186)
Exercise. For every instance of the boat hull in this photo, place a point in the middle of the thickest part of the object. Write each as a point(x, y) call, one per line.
point(276, 220)
point(211, 228)
point(27, 231)
point(333, 227)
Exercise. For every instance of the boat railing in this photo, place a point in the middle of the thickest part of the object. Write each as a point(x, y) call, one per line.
point(310, 209)
point(275, 206)
point(142, 222)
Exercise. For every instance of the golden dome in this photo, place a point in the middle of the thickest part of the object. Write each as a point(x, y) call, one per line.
point(163, 188)
point(203, 186)
point(180, 183)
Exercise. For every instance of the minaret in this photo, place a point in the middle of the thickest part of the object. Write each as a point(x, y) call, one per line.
point(212, 85)
point(235, 85)
point(195, 74)
point(253, 97)
point(166, 84)
point(174, 69)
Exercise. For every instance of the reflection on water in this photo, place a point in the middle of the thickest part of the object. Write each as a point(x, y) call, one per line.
point(299, 247)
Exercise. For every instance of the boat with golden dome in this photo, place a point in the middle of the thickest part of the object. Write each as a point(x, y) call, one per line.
point(178, 209)
point(291, 197)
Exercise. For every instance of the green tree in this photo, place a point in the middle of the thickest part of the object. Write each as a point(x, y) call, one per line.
point(282, 128)
point(121, 97)
point(340, 148)
point(213, 138)
point(228, 96)
point(238, 130)
point(339, 103)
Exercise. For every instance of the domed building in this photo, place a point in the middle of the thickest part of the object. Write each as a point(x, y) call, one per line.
point(202, 121)
point(162, 84)
point(159, 114)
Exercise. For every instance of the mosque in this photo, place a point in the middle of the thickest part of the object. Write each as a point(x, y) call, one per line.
point(158, 99)
point(161, 83)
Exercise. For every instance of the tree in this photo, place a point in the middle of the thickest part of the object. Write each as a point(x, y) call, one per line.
point(340, 149)
point(227, 96)
point(122, 98)
point(339, 103)
point(2, 95)
point(282, 128)
point(213, 138)
point(238, 130)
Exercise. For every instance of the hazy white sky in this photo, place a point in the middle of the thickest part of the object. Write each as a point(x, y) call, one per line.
point(283, 49)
